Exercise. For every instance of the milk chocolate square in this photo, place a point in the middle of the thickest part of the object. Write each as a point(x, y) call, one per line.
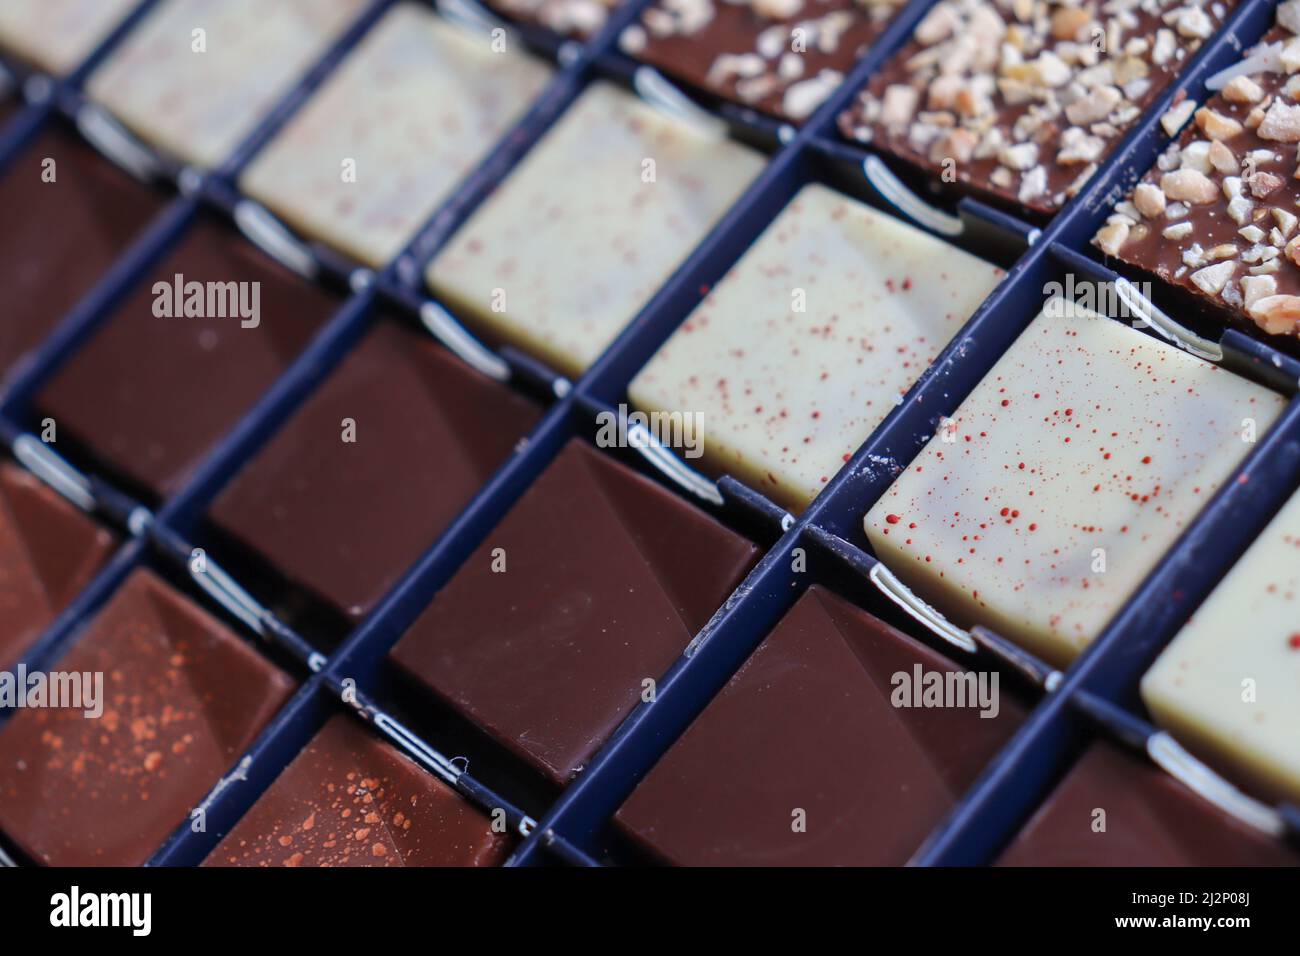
point(49, 551)
point(593, 584)
point(833, 745)
point(373, 467)
point(194, 345)
point(350, 799)
point(1113, 809)
point(69, 215)
point(182, 698)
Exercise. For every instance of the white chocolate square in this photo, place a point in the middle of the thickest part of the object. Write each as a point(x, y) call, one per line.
point(58, 35)
point(598, 214)
point(810, 340)
point(409, 112)
point(197, 95)
point(1072, 468)
point(1229, 684)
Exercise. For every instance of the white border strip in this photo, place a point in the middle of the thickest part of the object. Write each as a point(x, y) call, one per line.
point(640, 438)
point(1145, 310)
point(1265, 59)
point(227, 592)
point(900, 594)
point(655, 89)
point(112, 139)
point(272, 237)
point(445, 768)
point(43, 462)
point(1178, 763)
point(452, 334)
point(907, 202)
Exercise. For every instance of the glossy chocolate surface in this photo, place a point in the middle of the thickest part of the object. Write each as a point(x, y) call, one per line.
point(151, 394)
point(807, 724)
point(350, 799)
point(749, 51)
point(60, 237)
point(49, 551)
point(1149, 819)
point(344, 520)
point(607, 577)
point(183, 697)
point(1217, 215)
point(1022, 102)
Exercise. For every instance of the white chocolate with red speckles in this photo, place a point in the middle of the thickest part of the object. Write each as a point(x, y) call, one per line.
point(576, 240)
point(1229, 684)
point(1088, 442)
point(810, 340)
point(414, 108)
point(57, 35)
point(199, 106)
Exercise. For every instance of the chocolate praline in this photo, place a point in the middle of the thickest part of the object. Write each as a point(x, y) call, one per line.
point(373, 467)
point(350, 799)
point(49, 551)
point(1115, 810)
point(816, 753)
point(69, 214)
point(182, 697)
point(591, 586)
point(156, 387)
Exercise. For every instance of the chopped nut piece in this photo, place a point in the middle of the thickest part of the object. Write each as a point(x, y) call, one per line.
point(1281, 123)
point(1150, 200)
point(1216, 125)
point(1212, 279)
point(1242, 89)
point(1111, 238)
point(1176, 116)
point(1189, 185)
point(1277, 314)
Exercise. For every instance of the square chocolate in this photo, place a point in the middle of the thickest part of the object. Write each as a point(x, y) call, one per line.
point(1022, 101)
point(1113, 809)
point(841, 741)
point(56, 36)
point(1065, 477)
point(182, 698)
point(1216, 216)
point(594, 219)
point(392, 131)
point(811, 340)
point(49, 551)
point(69, 215)
point(195, 77)
point(194, 345)
point(373, 467)
point(350, 799)
point(593, 584)
point(783, 57)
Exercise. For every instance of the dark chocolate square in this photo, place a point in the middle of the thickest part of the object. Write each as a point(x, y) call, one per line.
point(49, 551)
point(60, 237)
point(783, 57)
point(149, 394)
point(350, 799)
point(344, 519)
point(1113, 809)
point(807, 732)
point(594, 582)
point(183, 697)
point(1022, 102)
point(1217, 215)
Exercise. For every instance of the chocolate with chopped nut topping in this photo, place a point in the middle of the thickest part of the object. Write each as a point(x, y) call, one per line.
point(1020, 100)
point(1218, 215)
point(783, 57)
point(579, 19)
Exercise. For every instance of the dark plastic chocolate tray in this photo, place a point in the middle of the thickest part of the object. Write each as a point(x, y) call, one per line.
point(573, 827)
